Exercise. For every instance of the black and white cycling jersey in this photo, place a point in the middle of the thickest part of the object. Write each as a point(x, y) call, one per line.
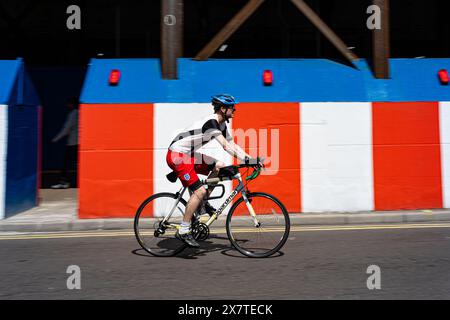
point(198, 134)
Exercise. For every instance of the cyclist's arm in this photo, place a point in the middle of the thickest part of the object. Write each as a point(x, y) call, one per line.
point(240, 150)
point(232, 148)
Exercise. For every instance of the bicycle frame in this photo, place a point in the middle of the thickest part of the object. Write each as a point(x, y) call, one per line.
point(214, 181)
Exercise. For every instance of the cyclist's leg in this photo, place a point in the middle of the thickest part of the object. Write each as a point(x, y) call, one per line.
point(183, 165)
point(208, 166)
point(195, 200)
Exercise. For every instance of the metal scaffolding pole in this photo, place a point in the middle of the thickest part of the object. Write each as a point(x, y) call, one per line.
point(326, 31)
point(381, 42)
point(171, 36)
point(229, 29)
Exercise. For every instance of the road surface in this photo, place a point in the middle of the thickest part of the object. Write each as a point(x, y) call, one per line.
point(316, 263)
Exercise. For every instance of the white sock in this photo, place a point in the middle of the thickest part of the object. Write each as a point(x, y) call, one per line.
point(185, 227)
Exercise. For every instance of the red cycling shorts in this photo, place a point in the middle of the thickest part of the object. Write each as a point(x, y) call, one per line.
point(187, 167)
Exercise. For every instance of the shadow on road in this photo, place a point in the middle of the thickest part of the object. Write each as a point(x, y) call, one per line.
point(206, 247)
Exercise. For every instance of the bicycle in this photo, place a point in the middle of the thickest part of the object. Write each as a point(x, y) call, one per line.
point(257, 224)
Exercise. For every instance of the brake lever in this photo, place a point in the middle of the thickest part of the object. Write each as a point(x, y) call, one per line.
point(261, 160)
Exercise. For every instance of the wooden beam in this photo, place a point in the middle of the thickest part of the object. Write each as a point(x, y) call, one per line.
point(171, 37)
point(326, 31)
point(381, 42)
point(229, 29)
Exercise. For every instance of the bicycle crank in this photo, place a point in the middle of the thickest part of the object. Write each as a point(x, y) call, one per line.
point(200, 231)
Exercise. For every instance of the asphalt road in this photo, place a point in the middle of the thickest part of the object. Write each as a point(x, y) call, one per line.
point(316, 263)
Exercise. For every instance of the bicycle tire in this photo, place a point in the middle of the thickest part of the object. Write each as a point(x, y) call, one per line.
point(172, 245)
point(268, 225)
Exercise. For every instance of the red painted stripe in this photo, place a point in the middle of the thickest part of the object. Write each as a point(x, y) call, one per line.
point(406, 155)
point(285, 183)
point(116, 159)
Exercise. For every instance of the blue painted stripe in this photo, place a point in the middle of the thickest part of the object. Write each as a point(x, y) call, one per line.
point(22, 143)
point(8, 73)
point(21, 170)
point(295, 80)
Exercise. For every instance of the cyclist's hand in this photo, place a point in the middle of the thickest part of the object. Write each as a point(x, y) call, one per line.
point(257, 162)
point(260, 162)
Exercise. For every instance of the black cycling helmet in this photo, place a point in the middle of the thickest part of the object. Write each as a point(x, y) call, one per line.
point(223, 100)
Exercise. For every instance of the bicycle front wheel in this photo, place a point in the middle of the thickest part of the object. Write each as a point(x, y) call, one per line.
point(263, 236)
point(156, 233)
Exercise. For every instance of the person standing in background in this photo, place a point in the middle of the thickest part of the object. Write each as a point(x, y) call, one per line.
point(69, 129)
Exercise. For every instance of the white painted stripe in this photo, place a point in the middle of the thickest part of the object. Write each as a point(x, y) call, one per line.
point(169, 120)
point(3, 154)
point(336, 156)
point(444, 125)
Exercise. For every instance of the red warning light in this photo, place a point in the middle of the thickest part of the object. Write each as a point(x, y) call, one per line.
point(267, 77)
point(114, 77)
point(443, 76)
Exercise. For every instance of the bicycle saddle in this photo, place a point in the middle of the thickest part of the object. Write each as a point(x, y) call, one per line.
point(172, 177)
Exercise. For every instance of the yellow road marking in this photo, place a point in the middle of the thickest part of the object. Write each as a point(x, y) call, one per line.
point(130, 233)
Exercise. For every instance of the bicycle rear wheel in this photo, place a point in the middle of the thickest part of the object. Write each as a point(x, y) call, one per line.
point(154, 236)
point(263, 239)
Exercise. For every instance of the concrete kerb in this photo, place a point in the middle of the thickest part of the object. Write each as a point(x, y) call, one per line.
point(370, 217)
point(303, 219)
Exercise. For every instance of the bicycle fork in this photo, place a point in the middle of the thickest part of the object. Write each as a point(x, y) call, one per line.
point(251, 210)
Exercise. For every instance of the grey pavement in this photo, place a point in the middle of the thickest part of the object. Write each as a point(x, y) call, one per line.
point(58, 212)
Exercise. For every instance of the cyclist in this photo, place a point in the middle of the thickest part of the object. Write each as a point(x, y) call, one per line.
point(183, 159)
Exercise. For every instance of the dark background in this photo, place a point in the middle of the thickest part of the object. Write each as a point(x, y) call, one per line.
point(57, 58)
point(36, 29)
